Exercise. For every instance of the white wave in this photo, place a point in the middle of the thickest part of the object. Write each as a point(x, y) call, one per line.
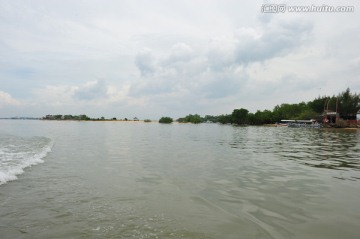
point(17, 153)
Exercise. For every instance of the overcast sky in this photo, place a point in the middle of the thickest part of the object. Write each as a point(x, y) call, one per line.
point(171, 58)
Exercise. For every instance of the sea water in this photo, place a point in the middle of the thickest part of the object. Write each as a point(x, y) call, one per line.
point(17, 153)
point(64, 179)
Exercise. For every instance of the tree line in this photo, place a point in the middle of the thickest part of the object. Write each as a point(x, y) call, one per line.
point(82, 117)
point(347, 104)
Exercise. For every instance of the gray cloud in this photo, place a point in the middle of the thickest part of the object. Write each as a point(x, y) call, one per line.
point(187, 55)
point(91, 91)
point(213, 73)
point(248, 45)
point(276, 41)
point(180, 52)
point(221, 88)
point(145, 62)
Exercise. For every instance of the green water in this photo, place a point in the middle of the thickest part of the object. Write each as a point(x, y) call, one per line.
point(147, 180)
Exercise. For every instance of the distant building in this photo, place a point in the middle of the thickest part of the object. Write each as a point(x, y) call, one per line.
point(330, 117)
point(49, 117)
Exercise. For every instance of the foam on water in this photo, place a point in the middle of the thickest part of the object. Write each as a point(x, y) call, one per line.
point(17, 153)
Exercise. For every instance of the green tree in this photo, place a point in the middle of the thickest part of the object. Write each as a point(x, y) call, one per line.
point(68, 117)
point(349, 104)
point(263, 117)
point(181, 120)
point(250, 118)
point(224, 119)
point(83, 117)
point(318, 104)
point(211, 118)
point(308, 114)
point(58, 117)
point(166, 120)
point(288, 111)
point(239, 116)
point(195, 119)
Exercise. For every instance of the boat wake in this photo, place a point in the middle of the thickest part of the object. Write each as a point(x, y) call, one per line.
point(18, 153)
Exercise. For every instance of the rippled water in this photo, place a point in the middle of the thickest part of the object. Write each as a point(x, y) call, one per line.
point(147, 180)
point(17, 153)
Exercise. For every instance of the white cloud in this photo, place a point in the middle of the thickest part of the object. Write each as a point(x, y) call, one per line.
point(7, 100)
point(180, 52)
point(95, 92)
point(181, 57)
point(221, 69)
point(92, 90)
point(146, 62)
point(54, 95)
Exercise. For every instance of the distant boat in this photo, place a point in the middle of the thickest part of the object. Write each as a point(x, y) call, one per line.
point(301, 123)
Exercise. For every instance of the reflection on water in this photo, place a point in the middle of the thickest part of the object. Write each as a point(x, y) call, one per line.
point(273, 182)
point(330, 149)
point(334, 149)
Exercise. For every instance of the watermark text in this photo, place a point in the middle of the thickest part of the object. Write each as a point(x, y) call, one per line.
point(282, 8)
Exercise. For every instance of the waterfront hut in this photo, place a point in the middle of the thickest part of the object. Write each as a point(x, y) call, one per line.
point(331, 117)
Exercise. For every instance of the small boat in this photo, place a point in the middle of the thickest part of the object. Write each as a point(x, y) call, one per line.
point(302, 123)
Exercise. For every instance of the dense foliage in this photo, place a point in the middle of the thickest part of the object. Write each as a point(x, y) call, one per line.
point(347, 104)
point(195, 119)
point(166, 120)
point(77, 117)
point(66, 117)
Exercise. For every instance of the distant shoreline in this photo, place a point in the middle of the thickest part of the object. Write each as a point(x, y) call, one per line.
point(151, 121)
point(92, 120)
point(106, 120)
point(20, 118)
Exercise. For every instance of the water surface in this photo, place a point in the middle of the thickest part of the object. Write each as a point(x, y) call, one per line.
point(148, 180)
